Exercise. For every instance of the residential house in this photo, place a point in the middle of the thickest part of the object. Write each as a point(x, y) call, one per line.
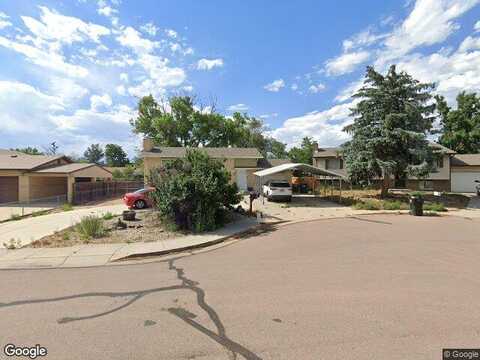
point(240, 162)
point(28, 178)
point(465, 169)
point(439, 180)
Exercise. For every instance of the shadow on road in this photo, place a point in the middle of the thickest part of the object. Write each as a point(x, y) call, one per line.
point(220, 336)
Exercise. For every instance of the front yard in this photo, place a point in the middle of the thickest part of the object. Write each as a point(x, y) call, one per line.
point(111, 229)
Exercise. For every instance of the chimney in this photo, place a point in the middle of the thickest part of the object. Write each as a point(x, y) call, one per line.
point(147, 144)
point(315, 146)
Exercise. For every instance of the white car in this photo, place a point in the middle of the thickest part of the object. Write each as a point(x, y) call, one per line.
point(278, 190)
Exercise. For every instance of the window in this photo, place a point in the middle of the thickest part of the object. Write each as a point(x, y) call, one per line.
point(334, 164)
point(440, 163)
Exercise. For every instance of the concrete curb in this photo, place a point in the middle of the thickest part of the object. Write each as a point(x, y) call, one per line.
point(110, 254)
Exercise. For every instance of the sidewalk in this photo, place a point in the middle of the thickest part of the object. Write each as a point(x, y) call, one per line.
point(105, 254)
point(34, 228)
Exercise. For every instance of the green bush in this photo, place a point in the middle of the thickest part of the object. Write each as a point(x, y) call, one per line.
point(67, 207)
point(368, 205)
point(108, 216)
point(91, 226)
point(435, 207)
point(394, 205)
point(15, 217)
point(194, 192)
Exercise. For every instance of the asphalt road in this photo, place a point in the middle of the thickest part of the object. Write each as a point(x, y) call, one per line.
point(377, 287)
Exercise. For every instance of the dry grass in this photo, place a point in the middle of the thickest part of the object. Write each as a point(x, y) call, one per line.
point(147, 228)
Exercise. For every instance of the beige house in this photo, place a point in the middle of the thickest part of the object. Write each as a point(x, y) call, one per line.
point(465, 169)
point(241, 162)
point(440, 180)
point(27, 178)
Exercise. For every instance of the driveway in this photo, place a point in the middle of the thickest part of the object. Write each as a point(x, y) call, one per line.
point(474, 202)
point(302, 207)
point(7, 211)
point(30, 229)
point(376, 287)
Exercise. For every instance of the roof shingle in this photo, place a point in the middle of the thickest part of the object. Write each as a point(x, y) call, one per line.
point(222, 152)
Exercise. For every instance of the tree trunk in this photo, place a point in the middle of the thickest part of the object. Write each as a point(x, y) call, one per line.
point(385, 187)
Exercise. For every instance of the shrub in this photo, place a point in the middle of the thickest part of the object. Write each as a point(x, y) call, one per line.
point(67, 207)
point(91, 226)
point(108, 216)
point(194, 192)
point(394, 205)
point(15, 217)
point(368, 205)
point(435, 207)
point(40, 213)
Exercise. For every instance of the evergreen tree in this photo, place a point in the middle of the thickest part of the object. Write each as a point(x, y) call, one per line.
point(392, 119)
point(94, 153)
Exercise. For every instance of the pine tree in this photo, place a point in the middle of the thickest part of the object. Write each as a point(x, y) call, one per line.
point(392, 119)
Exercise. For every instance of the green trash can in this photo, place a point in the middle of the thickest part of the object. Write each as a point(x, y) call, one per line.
point(416, 205)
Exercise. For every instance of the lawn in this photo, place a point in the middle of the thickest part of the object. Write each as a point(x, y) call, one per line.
point(370, 199)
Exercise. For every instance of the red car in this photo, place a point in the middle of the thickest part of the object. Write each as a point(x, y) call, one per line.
point(139, 199)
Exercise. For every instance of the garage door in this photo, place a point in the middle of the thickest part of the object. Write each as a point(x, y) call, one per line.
point(464, 181)
point(8, 189)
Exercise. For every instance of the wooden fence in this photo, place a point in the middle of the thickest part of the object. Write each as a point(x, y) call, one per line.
point(84, 192)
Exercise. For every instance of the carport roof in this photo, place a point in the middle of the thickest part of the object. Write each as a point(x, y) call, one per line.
point(304, 167)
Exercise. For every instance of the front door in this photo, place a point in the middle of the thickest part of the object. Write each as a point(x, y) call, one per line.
point(241, 178)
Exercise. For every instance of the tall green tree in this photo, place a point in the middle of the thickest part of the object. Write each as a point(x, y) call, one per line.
point(460, 128)
point(276, 149)
point(304, 153)
point(115, 155)
point(182, 123)
point(392, 119)
point(94, 154)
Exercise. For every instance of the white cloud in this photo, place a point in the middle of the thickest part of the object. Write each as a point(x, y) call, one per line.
point(294, 87)
point(430, 22)
point(275, 85)
point(98, 102)
point(477, 26)
point(316, 88)
point(51, 60)
point(66, 89)
point(120, 89)
point(171, 33)
point(326, 127)
point(107, 11)
point(65, 29)
point(268, 116)
point(362, 39)
point(3, 20)
point(21, 116)
point(187, 88)
point(346, 63)
point(238, 108)
point(150, 28)
point(124, 77)
point(131, 38)
point(209, 64)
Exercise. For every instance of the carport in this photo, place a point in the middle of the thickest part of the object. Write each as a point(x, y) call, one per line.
point(284, 172)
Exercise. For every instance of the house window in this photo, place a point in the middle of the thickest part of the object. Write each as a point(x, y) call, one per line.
point(440, 163)
point(334, 164)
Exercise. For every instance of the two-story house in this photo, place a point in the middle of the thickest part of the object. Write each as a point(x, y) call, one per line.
point(440, 180)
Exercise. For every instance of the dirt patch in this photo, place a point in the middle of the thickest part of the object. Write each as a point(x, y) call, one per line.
point(147, 228)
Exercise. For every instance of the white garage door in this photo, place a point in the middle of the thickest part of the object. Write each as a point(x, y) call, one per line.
point(464, 181)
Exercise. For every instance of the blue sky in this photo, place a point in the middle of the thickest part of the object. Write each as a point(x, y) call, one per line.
point(72, 71)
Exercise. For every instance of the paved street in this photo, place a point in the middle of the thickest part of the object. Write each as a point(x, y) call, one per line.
point(373, 287)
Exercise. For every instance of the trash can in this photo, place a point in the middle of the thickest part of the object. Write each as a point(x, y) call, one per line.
point(416, 205)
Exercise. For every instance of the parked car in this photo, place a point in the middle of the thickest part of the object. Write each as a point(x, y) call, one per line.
point(139, 199)
point(278, 190)
point(477, 187)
